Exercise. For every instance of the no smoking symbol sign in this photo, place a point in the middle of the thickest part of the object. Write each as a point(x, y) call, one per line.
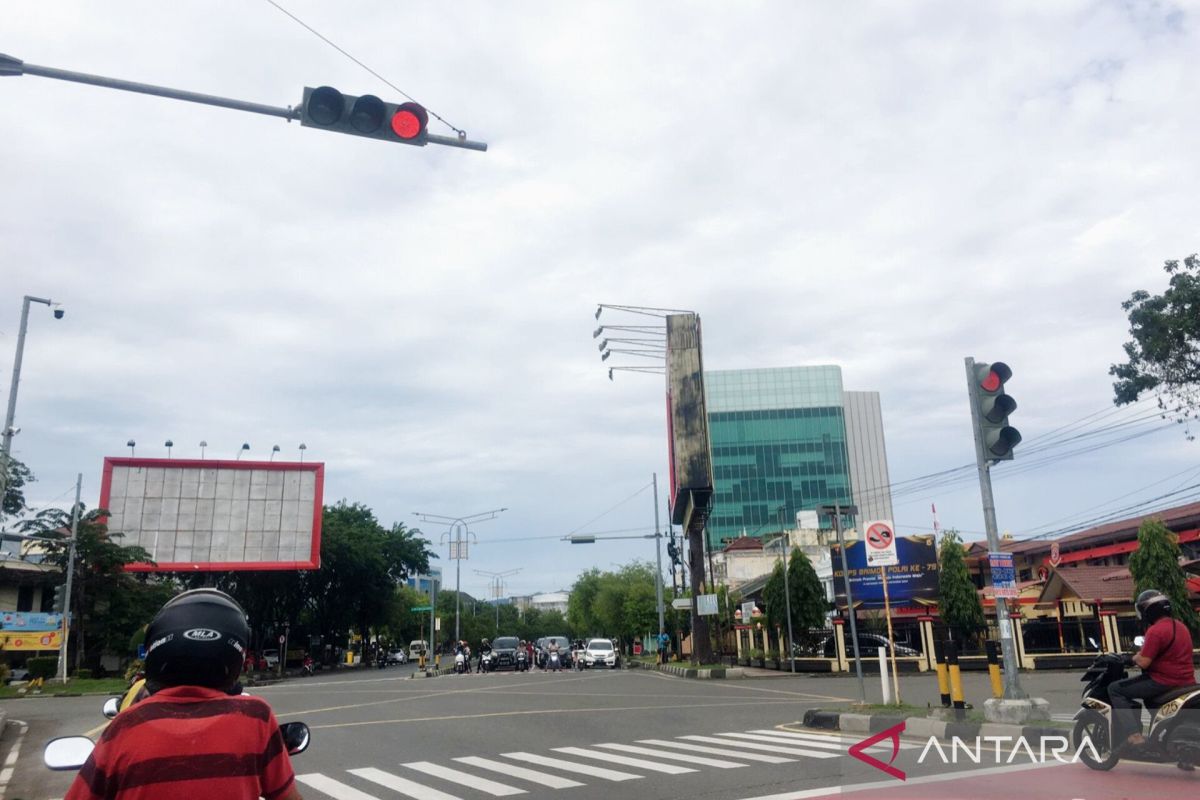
point(881, 544)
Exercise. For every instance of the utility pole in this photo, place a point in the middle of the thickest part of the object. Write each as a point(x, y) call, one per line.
point(497, 588)
point(787, 591)
point(62, 652)
point(836, 510)
point(658, 587)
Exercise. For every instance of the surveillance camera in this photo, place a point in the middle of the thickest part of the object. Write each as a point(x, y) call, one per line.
point(59, 313)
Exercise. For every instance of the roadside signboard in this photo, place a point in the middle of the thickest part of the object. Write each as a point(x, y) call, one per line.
point(417, 609)
point(706, 604)
point(914, 581)
point(682, 603)
point(747, 612)
point(881, 544)
point(212, 515)
point(1004, 578)
point(26, 621)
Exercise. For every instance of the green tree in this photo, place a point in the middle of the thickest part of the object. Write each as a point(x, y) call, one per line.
point(807, 595)
point(958, 600)
point(1155, 565)
point(17, 478)
point(362, 563)
point(581, 603)
point(108, 604)
point(1164, 351)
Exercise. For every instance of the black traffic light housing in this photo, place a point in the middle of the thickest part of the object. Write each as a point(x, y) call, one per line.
point(993, 406)
point(329, 109)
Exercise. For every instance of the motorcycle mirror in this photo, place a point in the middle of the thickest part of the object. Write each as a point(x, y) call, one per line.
point(295, 736)
point(67, 752)
point(111, 706)
point(1138, 641)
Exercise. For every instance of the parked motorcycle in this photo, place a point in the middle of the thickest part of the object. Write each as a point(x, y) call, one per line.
point(72, 752)
point(1174, 721)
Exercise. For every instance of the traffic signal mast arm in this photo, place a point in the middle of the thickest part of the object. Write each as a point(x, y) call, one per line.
point(10, 66)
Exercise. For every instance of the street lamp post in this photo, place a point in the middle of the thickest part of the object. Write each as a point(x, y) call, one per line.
point(458, 525)
point(9, 416)
point(497, 588)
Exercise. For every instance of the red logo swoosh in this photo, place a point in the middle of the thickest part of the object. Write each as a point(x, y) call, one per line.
point(893, 733)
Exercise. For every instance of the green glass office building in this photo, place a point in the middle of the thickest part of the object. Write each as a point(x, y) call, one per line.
point(790, 437)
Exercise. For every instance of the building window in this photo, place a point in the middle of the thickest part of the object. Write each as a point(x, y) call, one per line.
point(25, 598)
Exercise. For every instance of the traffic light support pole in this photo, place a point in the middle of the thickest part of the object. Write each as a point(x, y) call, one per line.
point(1012, 682)
point(658, 587)
point(16, 67)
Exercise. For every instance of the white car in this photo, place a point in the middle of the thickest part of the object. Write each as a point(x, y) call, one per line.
point(600, 653)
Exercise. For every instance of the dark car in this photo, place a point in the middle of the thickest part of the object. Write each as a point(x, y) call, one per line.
point(868, 645)
point(504, 650)
point(564, 651)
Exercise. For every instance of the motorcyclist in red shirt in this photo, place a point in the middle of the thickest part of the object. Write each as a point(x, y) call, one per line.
point(1166, 662)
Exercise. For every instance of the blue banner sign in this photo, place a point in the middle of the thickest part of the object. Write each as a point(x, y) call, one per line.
point(29, 621)
point(914, 581)
point(1004, 576)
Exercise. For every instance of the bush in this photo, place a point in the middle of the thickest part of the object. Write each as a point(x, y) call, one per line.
point(42, 666)
point(5, 671)
point(83, 674)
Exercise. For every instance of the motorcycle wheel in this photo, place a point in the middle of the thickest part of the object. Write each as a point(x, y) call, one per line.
point(1095, 728)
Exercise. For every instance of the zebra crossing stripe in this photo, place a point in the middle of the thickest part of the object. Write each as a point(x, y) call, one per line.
point(699, 748)
point(335, 789)
point(639, 763)
point(646, 751)
point(402, 785)
point(491, 787)
point(573, 766)
point(513, 771)
point(813, 739)
point(766, 748)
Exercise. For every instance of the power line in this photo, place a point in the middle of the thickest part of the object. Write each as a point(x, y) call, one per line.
point(609, 511)
point(461, 133)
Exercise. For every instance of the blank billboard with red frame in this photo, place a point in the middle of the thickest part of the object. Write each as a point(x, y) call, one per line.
point(200, 515)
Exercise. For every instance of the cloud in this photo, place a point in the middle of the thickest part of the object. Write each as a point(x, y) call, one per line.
point(889, 188)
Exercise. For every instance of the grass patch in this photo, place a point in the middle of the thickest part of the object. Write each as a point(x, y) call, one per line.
point(73, 686)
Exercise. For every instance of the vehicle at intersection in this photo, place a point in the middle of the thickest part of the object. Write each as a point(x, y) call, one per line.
point(600, 653)
point(564, 651)
point(504, 650)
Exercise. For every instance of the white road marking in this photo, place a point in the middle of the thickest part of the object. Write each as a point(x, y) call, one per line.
point(335, 789)
point(572, 766)
point(766, 748)
point(491, 787)
point(402, 785)
point(513, 771)
point(803, 794)
point(646, 751)
point(10, 762)
point(845, 741)
point(638, 763)
point(717, 751)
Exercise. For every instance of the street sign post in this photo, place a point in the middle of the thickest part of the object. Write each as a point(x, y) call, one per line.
point(682, 603)
point(881, 544)
point(706, 605)
point(418, 609)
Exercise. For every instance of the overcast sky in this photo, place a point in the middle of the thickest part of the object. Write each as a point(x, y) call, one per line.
point(885, 186)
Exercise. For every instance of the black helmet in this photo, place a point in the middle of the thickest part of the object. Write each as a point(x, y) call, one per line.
point(197, 638)
point(1152, 605)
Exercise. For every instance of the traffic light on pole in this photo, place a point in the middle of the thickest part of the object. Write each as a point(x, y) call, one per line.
point(327, 108)
point(992, 411)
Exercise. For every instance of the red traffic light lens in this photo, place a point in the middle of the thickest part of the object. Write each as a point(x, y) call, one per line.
point(409, 121)
point(992, 382)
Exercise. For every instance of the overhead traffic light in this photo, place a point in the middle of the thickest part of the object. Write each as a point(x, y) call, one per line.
point(327, 108)
point(993, 407)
